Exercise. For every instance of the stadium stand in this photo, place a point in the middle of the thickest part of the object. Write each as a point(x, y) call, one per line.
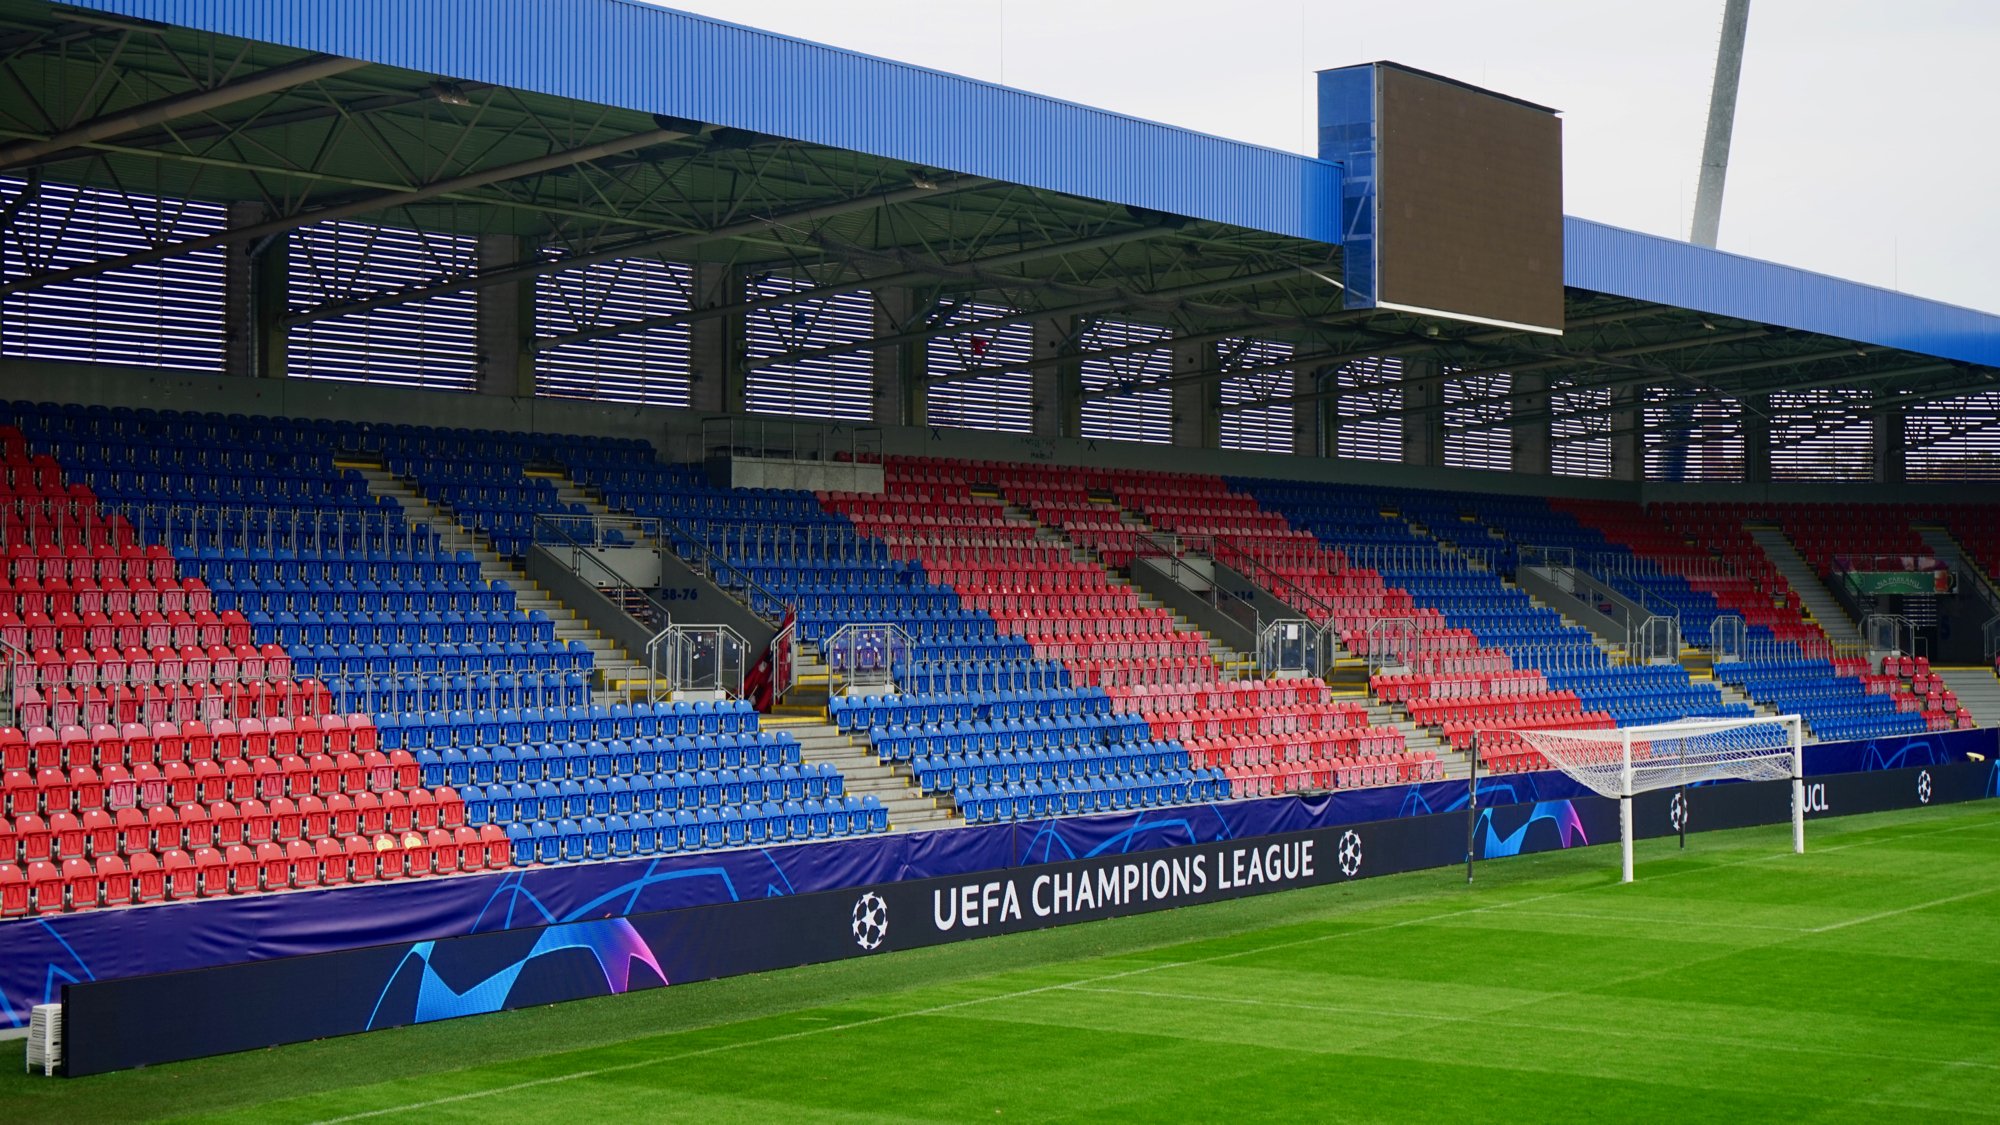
point(235, 670)
point(226, 647)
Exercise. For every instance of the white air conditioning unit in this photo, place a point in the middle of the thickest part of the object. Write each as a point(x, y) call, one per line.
point(45, 1038)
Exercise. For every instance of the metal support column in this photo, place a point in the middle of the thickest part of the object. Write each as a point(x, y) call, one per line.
point(1886, 428)
point(1196, 400)
point(1312, 422)
point(900, 398)
point(253, 298)
point(1628, 451)
point(1058, 387)
point(506, 320)
point(1530, 431)
point(1756, 439)
point(714, 343)
point(1423, 418)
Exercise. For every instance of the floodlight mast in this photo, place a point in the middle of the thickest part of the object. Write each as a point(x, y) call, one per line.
point(1721, 122)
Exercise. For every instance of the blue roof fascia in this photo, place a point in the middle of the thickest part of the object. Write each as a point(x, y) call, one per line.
point(657, 60)
point(1666, 271)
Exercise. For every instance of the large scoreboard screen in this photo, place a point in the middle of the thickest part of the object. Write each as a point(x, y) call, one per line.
point(1454, 196)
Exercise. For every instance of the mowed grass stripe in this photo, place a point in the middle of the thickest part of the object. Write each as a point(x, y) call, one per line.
point(1396, 947)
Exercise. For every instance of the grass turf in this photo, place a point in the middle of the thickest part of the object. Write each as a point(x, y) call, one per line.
point(1733, 981)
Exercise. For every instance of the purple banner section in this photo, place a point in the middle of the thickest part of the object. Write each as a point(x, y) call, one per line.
point(39, 955)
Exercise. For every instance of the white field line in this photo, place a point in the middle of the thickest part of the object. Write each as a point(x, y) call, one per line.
point(593, 1072)
point(1565, 1029)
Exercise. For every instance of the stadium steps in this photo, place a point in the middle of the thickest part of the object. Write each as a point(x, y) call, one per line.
point(1978, 691)
point(1235, 665)
point(569, 491)
point(1601, 644)
point(819, 741)
point(1417, 739)
point(813, 686)
point(1951, 552)
point(619, 677)
point(1821, 606)
point(1733, 694)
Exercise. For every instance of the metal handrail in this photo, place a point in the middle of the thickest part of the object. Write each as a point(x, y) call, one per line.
point(785, 654)
point(1890, 633)
point(653, 646)
point(707, 560)
point(1402, 630)
point(1292, 645)
point(1280, 587)
point(661, 614)
point(1532, 554)
point(1174, 548)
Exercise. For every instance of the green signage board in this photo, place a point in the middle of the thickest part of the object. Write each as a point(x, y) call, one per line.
point(1899, 581)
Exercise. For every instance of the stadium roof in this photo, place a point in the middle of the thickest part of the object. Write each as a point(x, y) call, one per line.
point(607, 128)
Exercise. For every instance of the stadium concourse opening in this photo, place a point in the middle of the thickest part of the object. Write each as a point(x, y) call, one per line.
point(680, 484)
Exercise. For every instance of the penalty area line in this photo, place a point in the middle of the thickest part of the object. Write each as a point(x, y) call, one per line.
point(1876, 917)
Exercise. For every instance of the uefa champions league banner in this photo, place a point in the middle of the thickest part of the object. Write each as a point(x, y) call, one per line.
point(115, 1024)
point(39, 955)
point(144, 1020)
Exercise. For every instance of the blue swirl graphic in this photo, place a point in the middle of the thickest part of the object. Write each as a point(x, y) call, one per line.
point(1569, 827)
point(612, 941)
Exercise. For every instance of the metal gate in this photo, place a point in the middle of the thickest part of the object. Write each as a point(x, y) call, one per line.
point(1657, 640)
point(705, 661)
point(1392, 644)
point(867, 659)
point(1885, 634)
point(1292, 648)
point(1728, 638)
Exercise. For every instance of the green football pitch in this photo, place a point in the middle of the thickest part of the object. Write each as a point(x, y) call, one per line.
point(1733, 982)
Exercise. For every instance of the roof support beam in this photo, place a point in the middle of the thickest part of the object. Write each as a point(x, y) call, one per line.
point(22, 153)
point(1120, 299)
point(1335, 359)
point(1124, 350)
point(918, 273)
point(1831, 421)
point(192, 133)
point(1516, 396)
point(536, 267)
point(359, 206)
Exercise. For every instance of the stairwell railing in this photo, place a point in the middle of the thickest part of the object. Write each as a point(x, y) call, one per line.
point(706, 660)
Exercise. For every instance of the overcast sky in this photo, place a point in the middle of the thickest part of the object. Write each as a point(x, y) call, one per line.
point(1867, 134)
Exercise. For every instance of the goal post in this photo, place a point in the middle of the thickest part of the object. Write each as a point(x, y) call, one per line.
point(1628, 761)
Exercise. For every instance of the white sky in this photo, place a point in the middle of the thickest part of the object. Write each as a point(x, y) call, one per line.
point(1867, 139)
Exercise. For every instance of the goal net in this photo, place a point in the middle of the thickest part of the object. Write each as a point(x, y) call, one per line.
point(1626, 762)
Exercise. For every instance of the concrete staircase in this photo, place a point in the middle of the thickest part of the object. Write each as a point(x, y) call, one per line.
point(1947, 548)
point(1978, 691)
point(804, 711)
point(1455, 763)
point(570, 492)
point(1235, 665)
point(616, 677)
point(1819, 602)
point(909, 809)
